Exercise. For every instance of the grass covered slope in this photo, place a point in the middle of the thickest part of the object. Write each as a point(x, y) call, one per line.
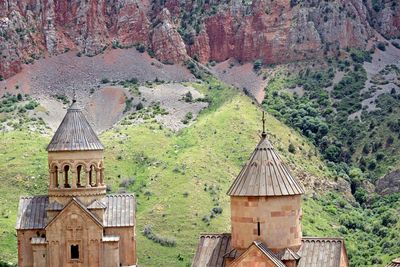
point(181, 179)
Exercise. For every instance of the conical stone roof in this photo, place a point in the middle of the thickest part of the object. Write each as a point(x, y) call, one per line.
point(74, 133)
point(265, 174)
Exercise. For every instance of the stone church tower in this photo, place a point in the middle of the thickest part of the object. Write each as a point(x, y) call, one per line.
point(266, 221)
point(76, 224)
point(266, 202)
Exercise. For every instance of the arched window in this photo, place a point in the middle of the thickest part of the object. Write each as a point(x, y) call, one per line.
point(79, 176)
point(66, 174)
point(92, 175)
point(56, 184)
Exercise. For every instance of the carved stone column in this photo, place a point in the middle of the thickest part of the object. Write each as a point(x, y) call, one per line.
point(87, 171)
point(102, 176)
point(97, 176)
point(61, 174)
point(73, 185)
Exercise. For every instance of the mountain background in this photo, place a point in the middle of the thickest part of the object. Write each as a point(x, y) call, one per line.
point(176, 89)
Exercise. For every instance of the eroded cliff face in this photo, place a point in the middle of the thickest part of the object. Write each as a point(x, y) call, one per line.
point(274, 31)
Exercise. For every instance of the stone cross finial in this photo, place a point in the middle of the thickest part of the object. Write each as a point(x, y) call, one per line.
point(263, 122)
point(74, 96)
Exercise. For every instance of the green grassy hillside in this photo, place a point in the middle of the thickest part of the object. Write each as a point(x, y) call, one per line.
point(181, 179)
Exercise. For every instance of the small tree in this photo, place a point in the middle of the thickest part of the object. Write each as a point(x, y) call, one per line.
point(257, 65)
point(188, 97)
point(139, 106)
point(291, 148)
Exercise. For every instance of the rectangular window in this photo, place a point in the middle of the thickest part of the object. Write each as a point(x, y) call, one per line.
point(74, 252)
point(258, 229)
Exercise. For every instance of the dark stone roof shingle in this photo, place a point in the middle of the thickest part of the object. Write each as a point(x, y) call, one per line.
point(265, 174)
point(32, 212)
point(211, 250)
point(320, 252)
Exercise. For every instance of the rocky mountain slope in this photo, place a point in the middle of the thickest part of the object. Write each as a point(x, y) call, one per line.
point(272, 31)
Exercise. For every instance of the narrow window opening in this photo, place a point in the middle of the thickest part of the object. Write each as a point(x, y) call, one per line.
point(258, 229)
point(79, 169)
point(66, 170)
point(74, 252)
point(56, 176)
point(91, 175)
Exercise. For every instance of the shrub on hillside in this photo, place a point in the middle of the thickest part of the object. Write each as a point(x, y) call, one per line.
point(381, 46)
point(257, 65)
point(163, 241)
point(291, 148)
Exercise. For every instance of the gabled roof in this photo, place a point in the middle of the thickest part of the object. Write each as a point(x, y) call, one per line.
point(211, 250)
point(119, 211)
point(75, 201)
point(394, 263)
point(74, 133)
point(32, 213)
point(269, 254)
point(265, 174)
point(288, 255)
point(321, 252)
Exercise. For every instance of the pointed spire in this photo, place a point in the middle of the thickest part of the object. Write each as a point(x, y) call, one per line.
point(74, 132)
point(265, 174)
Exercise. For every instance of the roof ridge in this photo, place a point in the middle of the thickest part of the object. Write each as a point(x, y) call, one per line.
point(323, 238)
point(30, 197)
point(121, 194)
point(215, 234)
point(268, 253)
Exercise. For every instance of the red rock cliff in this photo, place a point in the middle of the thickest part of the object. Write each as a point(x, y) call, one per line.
point(274, 31)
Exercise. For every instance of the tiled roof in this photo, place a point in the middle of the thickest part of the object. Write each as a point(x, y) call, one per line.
point(267, 252)
point(314, 252)
point(74, 133)
point(288, 255)
point(119, 212)
point(211, 250)
point(32, 212)
point(265, 174)
point(394, 263)
point(320, 252)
